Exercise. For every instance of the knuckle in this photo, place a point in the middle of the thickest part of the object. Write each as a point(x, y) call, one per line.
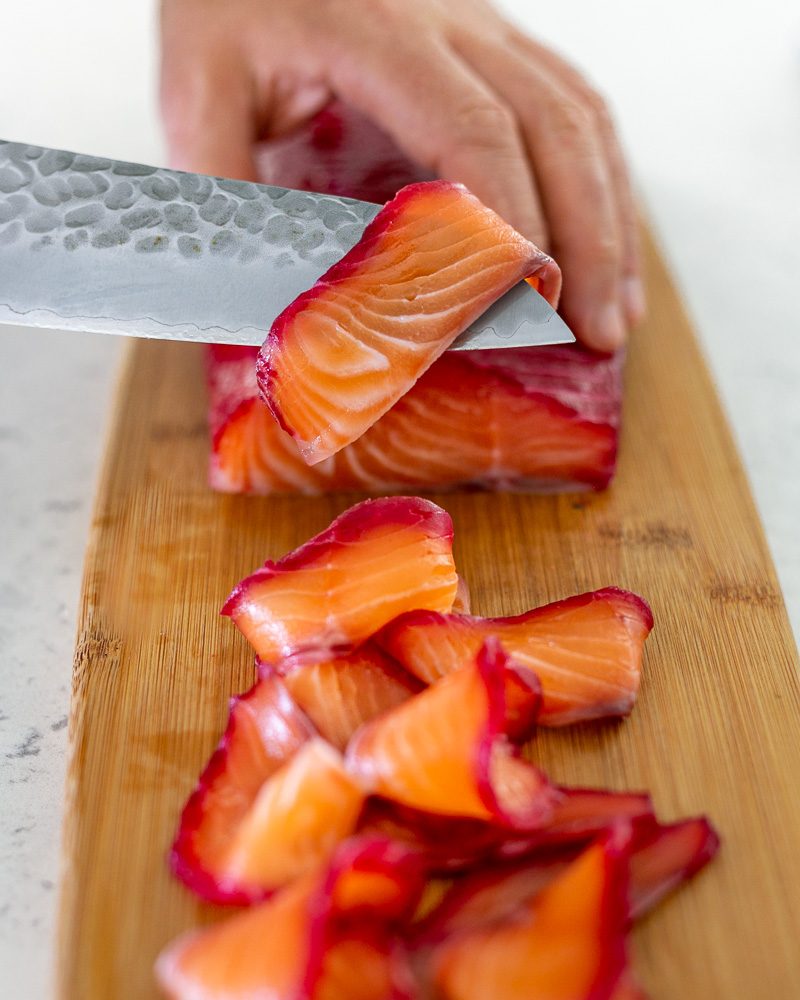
point(605, 252)
point(484, 125)
point(571, 123)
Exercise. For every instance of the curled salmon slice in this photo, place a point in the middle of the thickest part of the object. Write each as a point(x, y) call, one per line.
point(567, 941)
point(339, 694)
point(663, 857)
point(327, 936)
point(265, 729)
point(376, 560)
point(346, 350)
point(660, 859)
point(585, 650)
point(457, 426)
point(295, 822)
point(446, 750)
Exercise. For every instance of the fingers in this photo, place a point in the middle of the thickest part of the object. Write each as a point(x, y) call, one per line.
point(441, 114)
point(208, 110)
point(632, 288)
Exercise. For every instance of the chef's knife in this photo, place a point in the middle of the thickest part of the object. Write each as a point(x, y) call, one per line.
point(88, 243)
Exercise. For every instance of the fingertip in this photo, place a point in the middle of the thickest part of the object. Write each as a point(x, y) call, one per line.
point(604, 329)
point(633, 300)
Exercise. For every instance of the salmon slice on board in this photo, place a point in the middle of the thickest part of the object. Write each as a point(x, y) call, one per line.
point(327, 936)
point(431, 262)
point(341, 693)
point(446, 750)
point(461, 424)
point(265, 729)
point(455, 844)
point(585, 650)
point(298, 817)
point(567, 943)
point(661, 858)
point(376, 560)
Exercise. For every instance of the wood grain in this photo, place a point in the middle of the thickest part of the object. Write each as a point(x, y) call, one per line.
point(716, 728)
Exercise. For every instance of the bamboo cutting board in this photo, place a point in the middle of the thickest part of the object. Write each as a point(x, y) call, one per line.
point(715, 730)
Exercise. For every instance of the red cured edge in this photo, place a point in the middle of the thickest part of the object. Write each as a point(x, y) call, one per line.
point(183, 858)
point(350, 526)
point(494, 667)
point(378, 924)
point(612, 927)
point(637, 604)
point(693, 853)
point(692, 843)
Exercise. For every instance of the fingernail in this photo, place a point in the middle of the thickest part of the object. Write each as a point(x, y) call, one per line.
point(607, 329)
point(633, 300)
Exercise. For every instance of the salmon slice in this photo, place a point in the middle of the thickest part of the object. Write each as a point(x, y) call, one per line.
point(452, 844)
point(458, 426)
point(376, 560)
point(585, 650)
point(446, 751)
point(567, 942)
point(294, 824)
point(660, 858)
point(265, 729)
point(431, 262)
point(664, 857)
point(327, 936)
point(339, 694)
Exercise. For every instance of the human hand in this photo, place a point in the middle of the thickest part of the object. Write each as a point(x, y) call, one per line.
point(461, 92)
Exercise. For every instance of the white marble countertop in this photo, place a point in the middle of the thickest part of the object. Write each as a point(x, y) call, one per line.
point(708, 100)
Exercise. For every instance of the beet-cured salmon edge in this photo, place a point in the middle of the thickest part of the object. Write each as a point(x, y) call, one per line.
point(375, 854)
point(349, 527)
point(183, 859)
point(638, 605)
point(492, 664)
point(613, 914)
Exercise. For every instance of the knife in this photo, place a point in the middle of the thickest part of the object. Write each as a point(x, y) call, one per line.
point(93, 244)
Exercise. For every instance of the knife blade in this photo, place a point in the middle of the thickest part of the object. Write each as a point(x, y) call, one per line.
point(92, 244)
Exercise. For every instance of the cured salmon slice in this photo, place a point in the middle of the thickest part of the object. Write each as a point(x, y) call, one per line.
point(426, 267)
point(339, 694)
point(453, 844)
point(376, 560)
point(265, 729)
point(446, 751)
point(567, 942)
point(295, 822)
point(664, 857)
point(458, 426)
point(585, 650)
point(327, 936)
point(660, 858)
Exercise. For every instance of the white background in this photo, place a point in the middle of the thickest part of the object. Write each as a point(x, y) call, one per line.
point(707, 96)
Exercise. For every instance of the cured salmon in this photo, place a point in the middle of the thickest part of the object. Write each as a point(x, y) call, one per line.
point(585, 650)
point(265, 729)
point(659, 859)
point(345, 351)
point(454, 844)
point(376, 560)
point(446, 751)
point(339, 694)
point(567, 942)
point(328, 936)
point(459, 425)
point(299, 816)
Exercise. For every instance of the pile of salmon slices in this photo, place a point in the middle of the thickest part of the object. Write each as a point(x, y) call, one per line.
point(374, 816)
